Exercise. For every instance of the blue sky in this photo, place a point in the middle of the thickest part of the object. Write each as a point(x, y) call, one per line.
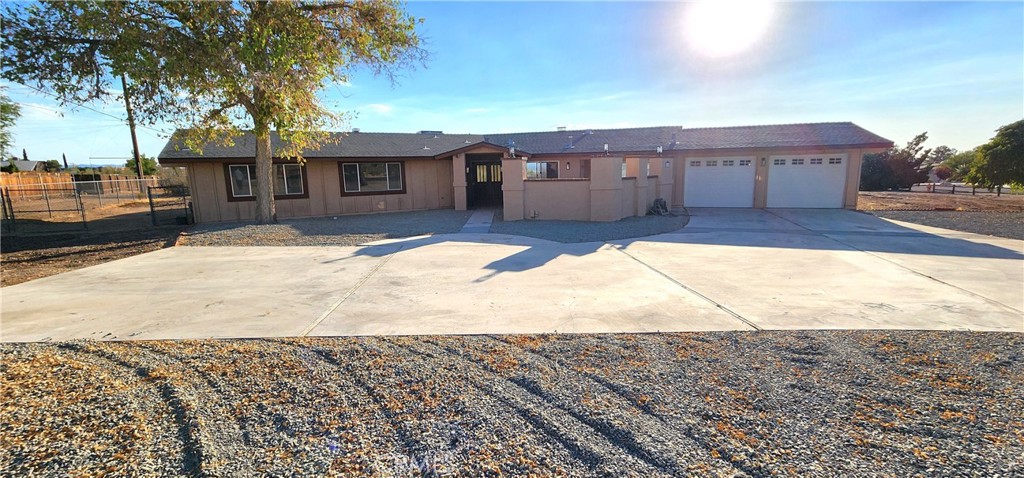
point(955, 70)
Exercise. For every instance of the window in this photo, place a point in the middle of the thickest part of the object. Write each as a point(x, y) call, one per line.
point(243, 180)
point(372, 178)
point(289, 181)
point(779, 162)
point(835, 160)
point(728, 162)
point(712, 163)
point(798, 161)
point(744, 162)
point(695, 163)
point(815, 160)
point(542, 170)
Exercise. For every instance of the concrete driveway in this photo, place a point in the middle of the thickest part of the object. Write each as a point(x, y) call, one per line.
point(727, 270)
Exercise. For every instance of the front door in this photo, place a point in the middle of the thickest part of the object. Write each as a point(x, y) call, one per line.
point(483, 185)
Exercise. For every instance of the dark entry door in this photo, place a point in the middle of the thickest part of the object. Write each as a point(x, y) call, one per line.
point(483, 184)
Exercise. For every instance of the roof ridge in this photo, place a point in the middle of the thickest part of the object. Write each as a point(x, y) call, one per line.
point(584, 129)
point(769, 125)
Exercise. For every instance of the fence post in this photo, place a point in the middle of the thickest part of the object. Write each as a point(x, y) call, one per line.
point(46, 195)
point(954, 189)
point(152, 210)
point(81, 208)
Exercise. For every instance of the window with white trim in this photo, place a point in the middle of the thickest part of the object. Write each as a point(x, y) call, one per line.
point(835, 160)
point(744, 162)
point(779, 162)
point(542, 170)
point(713, 163)
point(695, 163)
point(373, 178)
point(728, 162)
point(288, 180)
point(243, 180)
point(798, 161)
point(815, 160)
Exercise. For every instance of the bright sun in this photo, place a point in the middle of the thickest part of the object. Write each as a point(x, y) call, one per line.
point(720, 28)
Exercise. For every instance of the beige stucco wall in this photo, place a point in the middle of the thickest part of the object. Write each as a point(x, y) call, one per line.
point(428, 186)
point(606, 196)
point(557, 199)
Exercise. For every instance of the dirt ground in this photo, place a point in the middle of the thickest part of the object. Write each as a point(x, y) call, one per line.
point(24, 258)
point(752, 404)
point(923, 201)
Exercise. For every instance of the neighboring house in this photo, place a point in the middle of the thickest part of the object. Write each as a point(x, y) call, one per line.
point(583, 174)
point(24, 165)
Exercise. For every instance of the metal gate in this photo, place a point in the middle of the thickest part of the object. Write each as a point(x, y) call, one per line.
point(170, 205)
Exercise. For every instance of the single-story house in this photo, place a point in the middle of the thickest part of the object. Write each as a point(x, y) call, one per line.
point(593, 174)
point(23, 165)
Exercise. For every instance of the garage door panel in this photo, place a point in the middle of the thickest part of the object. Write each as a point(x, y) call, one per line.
point(807, 181)
point(719, 182)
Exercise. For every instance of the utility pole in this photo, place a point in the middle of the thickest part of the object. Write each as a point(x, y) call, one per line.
point(131, 126)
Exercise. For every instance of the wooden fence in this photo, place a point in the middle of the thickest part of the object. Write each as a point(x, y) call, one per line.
point(18, 184)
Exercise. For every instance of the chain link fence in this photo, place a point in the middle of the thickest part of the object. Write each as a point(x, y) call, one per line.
point(109, 205)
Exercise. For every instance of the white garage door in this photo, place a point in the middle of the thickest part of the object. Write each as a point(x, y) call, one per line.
point(719, 182)
point(807, 181)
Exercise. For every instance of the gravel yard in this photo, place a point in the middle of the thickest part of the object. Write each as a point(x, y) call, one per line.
point(992, 223)
point(827, 403)
point(328, 231)
point(580, 231)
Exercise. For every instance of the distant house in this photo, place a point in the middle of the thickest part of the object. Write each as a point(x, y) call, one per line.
point(23, 165)
point(598, 174)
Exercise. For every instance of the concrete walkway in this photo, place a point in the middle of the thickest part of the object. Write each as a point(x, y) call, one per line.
point(479, 222)
point(728, 270)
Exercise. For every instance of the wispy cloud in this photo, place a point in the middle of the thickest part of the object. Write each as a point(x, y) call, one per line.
point(475, 110)
point(379, 108)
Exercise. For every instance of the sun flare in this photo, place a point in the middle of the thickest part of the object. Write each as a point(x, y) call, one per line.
point(720, 28)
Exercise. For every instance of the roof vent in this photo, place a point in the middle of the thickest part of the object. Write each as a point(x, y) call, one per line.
point(561, 128)
point(430, 131)
point(468, 141)
point(426, 148)
point(590, 131)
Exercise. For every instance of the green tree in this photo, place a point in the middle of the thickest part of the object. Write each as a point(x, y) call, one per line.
point(216, 69)
point(960, 164)
point(896, 168)
point(9, 114)
point(51, 166)
point(939, 155)
point(1001, 160)
point(149, 165)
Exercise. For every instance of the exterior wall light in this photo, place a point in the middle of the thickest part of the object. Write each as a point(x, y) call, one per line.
point(567, 165)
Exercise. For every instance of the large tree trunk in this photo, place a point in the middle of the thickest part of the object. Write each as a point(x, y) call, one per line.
point(266, 213)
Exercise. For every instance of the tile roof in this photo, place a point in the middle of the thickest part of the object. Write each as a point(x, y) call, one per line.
point(670, 138)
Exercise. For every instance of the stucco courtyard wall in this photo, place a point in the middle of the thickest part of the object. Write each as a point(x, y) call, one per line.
point(605, 196)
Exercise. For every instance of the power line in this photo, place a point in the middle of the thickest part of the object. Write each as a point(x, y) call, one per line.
point(81, 105)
